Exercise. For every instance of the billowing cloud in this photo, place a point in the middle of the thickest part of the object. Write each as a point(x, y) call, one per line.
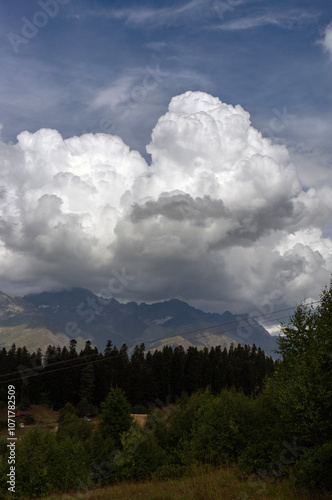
point(219, 218)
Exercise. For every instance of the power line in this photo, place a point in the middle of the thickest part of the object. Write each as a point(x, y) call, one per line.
point(232, 323)
point(133, 345)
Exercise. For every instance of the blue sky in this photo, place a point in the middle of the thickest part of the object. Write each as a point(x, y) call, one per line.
point(113, 67)
point(263, 55)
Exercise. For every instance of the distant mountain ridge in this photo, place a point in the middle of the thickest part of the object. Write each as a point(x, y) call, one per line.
point(37, 320)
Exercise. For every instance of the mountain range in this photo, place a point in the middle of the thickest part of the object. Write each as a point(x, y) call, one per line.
point(37, 320)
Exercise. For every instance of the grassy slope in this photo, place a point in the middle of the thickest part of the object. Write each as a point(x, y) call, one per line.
point(33, 338)
point(201, 340)
point(213, 484)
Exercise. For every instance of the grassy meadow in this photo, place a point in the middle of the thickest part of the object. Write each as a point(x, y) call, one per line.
point(203, 484)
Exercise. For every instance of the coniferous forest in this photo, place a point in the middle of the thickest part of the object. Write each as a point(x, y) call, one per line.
point(217, 408)
point(63, 375)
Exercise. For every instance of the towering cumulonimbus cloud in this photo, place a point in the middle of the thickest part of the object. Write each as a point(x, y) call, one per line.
point(219, 216)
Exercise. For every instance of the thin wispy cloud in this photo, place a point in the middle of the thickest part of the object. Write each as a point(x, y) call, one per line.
point(157, 46)
point(154, 16)
point(115, 93)
point(285, 20)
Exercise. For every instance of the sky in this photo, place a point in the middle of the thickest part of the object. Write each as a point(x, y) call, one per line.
point(152, 150)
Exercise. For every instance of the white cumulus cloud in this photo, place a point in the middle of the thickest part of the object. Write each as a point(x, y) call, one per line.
point(219, 218)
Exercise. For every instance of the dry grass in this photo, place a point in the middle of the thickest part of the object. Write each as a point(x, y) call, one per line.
point(213, 484)
point(139, 418)
point(44, 417)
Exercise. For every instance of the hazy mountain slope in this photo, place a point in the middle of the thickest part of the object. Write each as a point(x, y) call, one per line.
point(55, 317)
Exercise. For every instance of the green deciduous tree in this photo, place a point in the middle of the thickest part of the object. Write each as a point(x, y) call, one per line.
point(223, 428)
point(302, 384)
point(46, 465)
point(301, 387)
point(76, 428)
point(140, 456)
point(115, 417)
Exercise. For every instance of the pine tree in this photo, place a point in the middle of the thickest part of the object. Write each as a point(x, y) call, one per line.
point(87, 385)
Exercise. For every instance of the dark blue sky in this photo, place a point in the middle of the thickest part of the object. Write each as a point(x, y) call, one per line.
point(264, 55)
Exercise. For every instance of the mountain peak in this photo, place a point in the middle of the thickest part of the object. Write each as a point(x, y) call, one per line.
point(69, 296)
point(79, 312)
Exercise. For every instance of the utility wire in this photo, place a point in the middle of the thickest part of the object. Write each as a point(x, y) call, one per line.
point(38, 372)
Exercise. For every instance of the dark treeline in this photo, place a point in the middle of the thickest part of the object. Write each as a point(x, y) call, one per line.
point(64, 375)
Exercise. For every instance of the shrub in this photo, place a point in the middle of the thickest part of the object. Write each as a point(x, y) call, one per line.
point(99, 448)
point(182, 424)
point(265, 440)
point(45, 465)
point(86, 408)
point(223, 428)
point(74, 427)
point(29, 420)
point(3, 423)
point(69, 408)
point(141, 455)
point(314, 467)
point(139, 410)
point(3, 445)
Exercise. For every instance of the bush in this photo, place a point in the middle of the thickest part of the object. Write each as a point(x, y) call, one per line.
point(3, 423)
point(45, 465)
point(265, 440)
point(314, 467)
point(86, 408)
point(182, 424)
point(74, 427)
point(223, 428)
point(31, 459)
point(3, 445)
point(69, 408)
point(141, 455)
point(139, 410)
point(99, 449)
point(29, 420)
